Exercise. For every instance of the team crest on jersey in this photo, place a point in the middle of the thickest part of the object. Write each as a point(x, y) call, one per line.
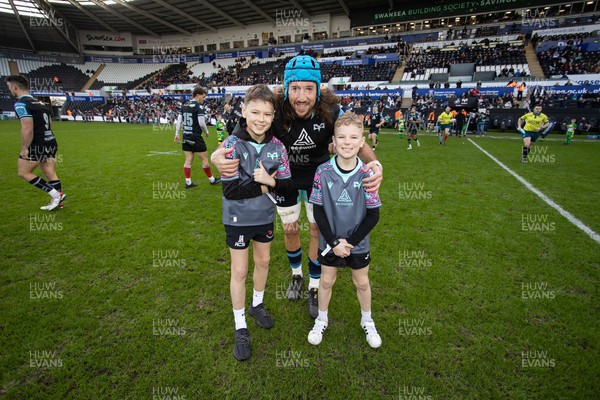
point(357, 185)
point(272, 156)
point(318, 127)
point(344, 199)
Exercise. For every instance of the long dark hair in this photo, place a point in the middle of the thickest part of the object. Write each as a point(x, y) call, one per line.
point(324, 108)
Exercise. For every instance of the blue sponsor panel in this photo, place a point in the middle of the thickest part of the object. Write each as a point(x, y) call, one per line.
point(445, 93)
point(383, 57)
point(573, 90)
point(85, 99)
point(355, 61)
point(371, 93)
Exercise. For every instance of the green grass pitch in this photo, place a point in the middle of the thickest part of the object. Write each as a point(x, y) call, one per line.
point(480, 289)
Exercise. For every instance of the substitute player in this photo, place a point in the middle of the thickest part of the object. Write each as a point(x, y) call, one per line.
point(38, 144)
point(534, 122)
point(445, 121)
point(249, 208)
point(413, 123)
point(376, 121)
point(193, 119)
point(345, 213)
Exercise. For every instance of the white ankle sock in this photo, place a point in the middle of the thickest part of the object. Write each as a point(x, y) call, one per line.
point(257, 297)
point(366, 316)
point(240, 319)
point(323, 316)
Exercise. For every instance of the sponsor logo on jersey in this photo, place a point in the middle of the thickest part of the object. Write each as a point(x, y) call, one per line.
point(304, 142)
point(245, 155)
point(240, 242)
point(329, 184)
point(344, 200)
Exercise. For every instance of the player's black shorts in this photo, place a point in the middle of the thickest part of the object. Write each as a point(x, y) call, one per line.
point(238, 237)
point(298, 194)
point(41, 152)
point(197, 145)
point(413, 130)
point(354, 261)
point(374, 131)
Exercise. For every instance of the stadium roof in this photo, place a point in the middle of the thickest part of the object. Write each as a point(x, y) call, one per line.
point(22, 21)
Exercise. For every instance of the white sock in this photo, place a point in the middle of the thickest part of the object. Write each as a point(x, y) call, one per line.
point(211, 179)
point(297, 271)
point(240, 319)
point(366, 316)
point(188, 181)
point(257, 298)
point(323, 316)
point(313, 283)
point(54, 193)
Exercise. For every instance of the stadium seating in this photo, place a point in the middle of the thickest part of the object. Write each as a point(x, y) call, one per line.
point(126, 76)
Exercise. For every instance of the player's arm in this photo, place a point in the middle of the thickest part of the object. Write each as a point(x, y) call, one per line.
point(283, 177)
point(202, 123)
point(232, 190)
point(544, 125)
point(178, 128)
point(26, 136)
point(366, 225)
point(368, 157)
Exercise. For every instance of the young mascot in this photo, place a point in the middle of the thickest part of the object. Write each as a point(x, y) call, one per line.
point(345, 213)
point(249, 207)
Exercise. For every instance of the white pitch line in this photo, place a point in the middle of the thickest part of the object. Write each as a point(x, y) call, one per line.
point(572, 219)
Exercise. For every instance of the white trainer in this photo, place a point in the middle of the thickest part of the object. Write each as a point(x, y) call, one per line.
point(373, 337)
point(315, 336)
point(54, 203)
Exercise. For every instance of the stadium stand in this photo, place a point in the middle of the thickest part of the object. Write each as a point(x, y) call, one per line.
point(568, 56)
point(498, 56)
point(126, 76)
point(381, 71)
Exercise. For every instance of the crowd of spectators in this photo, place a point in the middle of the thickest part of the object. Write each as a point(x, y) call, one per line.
point(478, 53)
point(567, 60)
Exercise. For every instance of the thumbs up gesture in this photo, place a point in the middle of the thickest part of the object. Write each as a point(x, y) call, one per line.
point(261, 176)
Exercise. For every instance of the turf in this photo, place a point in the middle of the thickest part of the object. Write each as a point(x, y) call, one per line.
point(480, 289)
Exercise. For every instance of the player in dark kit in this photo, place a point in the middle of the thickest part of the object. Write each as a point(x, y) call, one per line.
point(377, 122)
point(413, 121)
point(304, 120)
point(38, 144)
point(192, 118)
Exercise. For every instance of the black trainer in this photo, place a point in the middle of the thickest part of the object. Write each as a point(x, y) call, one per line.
point(313, 302)
point(217, 180)
point(241, 348)
point(263, 319)
point(191, 185)
point(294, 290)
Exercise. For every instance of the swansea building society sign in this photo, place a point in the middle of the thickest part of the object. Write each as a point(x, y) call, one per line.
point(438, 9)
